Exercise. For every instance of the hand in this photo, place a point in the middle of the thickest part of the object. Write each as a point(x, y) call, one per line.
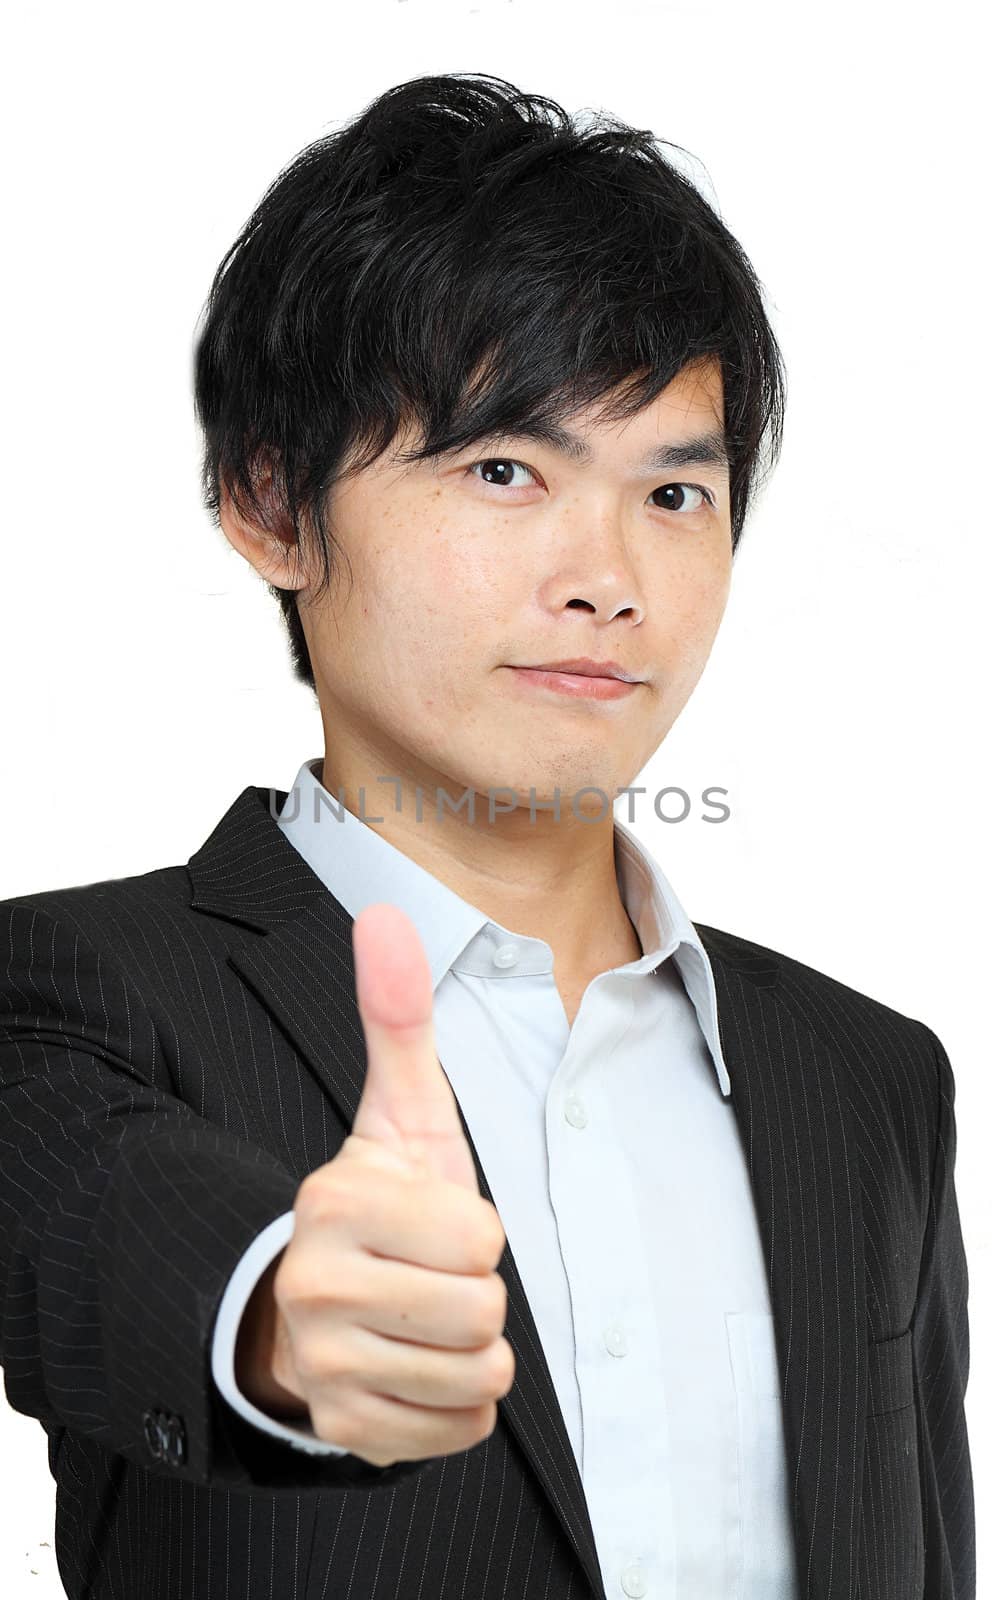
point(386, 1311)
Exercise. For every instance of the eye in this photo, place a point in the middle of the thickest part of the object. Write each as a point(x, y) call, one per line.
point(497, 469)
point(500, 464)
point(679, 491)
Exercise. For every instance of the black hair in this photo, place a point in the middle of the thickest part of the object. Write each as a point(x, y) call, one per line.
point(462, 257)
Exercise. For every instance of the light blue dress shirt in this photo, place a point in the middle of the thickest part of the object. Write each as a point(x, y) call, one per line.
point(615, 1164)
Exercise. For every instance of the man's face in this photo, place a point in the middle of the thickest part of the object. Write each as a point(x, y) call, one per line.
point(511, 554)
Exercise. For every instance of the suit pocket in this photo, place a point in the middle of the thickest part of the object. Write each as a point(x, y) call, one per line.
point(890, 1373)
point(892, 1515)
point(767, 1567)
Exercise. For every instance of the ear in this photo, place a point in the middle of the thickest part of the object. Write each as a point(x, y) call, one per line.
point(271, 547)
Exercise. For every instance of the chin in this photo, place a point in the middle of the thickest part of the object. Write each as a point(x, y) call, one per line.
point(567, 785)
point(510, 764)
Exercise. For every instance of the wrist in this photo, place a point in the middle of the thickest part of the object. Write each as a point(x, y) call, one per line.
point(259, 1333)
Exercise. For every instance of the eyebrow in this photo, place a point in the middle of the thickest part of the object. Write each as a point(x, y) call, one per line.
point(704, 449)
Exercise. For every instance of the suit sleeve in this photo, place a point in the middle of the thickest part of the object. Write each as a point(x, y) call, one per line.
point(123, 1215)
point(941, 1354)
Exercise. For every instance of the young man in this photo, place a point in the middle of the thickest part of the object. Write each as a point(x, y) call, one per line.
point(404, 1197)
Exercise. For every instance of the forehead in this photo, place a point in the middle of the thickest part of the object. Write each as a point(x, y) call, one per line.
point(690, 407)
point(694, 396)
point(689, 410)
point(681, 426)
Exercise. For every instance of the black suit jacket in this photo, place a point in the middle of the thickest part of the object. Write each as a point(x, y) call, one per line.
point(178, 1049)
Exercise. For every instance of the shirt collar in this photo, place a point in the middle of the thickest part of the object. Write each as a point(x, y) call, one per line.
point(360, 868)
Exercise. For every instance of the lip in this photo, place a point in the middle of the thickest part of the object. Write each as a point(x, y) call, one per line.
point(586, 667)
point(579, 685)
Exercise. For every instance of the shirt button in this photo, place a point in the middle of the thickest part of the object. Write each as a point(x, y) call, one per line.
point(575, 1112)
point(633, 1580)
point(615, 1340)
point(507, 955)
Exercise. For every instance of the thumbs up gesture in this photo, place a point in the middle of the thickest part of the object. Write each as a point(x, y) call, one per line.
point(386, 1313)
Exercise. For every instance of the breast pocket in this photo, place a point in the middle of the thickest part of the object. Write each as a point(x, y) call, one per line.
point(767, 1544)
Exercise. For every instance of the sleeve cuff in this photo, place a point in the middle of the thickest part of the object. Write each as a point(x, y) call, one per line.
point(260, 1253)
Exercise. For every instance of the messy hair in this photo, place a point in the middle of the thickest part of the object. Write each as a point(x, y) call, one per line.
point(460, 259)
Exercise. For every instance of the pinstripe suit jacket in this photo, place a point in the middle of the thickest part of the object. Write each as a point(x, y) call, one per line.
point(179, 1049)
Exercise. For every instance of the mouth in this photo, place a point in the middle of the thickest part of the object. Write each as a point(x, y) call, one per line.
point(586, 667)
point(577, 685)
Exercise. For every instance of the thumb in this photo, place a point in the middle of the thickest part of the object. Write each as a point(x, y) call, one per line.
point(407, 1104)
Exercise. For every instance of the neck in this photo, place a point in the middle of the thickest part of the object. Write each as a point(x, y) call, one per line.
point(543, 872)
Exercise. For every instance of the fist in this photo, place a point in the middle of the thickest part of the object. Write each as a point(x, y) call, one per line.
point(388, 1312)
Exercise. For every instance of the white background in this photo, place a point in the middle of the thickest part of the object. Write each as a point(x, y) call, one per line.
point(844, 701)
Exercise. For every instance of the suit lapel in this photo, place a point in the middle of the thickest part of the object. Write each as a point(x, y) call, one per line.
point(788, 1097)
point(788, 1093)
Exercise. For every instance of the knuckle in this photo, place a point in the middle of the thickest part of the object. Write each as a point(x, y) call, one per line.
point(490, 1309)
point(347, 1428)
point(320, 1282)
point(319, 1361)
point(484, 1422)
point(500, 1367)
point(483, 1234)
point(492, 1233)
point(322, 1198)
point(333, 1426)
point(291, 1285)
point(499, 1301)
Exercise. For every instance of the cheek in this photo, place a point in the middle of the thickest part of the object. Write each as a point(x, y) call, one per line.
point(458, 588)
point(711, 602)
point(695, 605)
point(423, 615)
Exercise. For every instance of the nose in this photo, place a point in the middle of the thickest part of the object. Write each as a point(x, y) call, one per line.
point(613, 602)
point(596, 574)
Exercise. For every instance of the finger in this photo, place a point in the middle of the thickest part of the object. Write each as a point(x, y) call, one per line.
point(407, 1103)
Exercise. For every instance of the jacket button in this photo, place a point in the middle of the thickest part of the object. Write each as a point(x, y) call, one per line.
point(175, 1440)
point(153, 1434)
